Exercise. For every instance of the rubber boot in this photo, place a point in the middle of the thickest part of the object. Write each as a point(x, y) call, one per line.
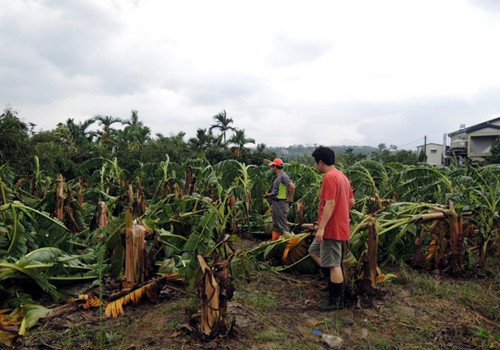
point(326, 274)
point(276, 236)
point(335, 298)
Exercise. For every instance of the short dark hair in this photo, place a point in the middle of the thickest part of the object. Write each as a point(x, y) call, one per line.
point(327, 155)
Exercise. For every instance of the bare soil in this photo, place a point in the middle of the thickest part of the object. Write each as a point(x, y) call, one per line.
point(418, 310)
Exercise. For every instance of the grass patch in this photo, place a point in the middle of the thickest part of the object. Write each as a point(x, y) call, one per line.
point(332, 325)
point(430, 286)
point(258, 301)
point(269, 335)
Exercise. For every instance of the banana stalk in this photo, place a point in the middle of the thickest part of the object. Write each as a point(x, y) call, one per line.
point(209, 291)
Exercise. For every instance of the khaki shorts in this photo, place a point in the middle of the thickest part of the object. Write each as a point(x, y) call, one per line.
point(330, 252)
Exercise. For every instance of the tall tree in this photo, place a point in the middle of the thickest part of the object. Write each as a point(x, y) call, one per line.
point(201, 142)
point(14, 141)
point(78, 131)
point(239, 141)
point(135, 133)
point(134, 120)
point(106, 121)
point(223, 124)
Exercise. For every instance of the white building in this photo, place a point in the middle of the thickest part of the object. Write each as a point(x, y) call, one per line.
point(434, 153)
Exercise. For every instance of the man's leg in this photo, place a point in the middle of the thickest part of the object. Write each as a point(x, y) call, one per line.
point(336, 275)
point(331, 255)
point(280, 213)
point(276, 230)
point(314, 252)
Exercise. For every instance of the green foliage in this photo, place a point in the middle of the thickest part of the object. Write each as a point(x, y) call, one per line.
point(495, 152)
point(15, 149)
point(186, 216)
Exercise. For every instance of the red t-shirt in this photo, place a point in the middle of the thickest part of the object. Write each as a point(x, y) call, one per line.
point(336, 186)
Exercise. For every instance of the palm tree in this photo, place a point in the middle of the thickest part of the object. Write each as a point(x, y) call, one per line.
point(106, 121)
point(135, 133)
point(239, 140)
point(79, 131)
point(222, 123)
point(134, 120)
point(201, 142)
point(83, 126)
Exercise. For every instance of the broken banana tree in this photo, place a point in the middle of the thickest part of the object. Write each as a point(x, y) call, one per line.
point(214, 291)
point(135, 256)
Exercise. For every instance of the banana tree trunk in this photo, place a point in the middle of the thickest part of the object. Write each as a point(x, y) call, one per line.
point(135, 257)
point(484, 254)
point(102, 214)
point(299, 208)
point(80, 191)
point(60, 197)
point(215, 290)
point(209, 297)
point(457, 241)
point(189, 181)
point(372, 252)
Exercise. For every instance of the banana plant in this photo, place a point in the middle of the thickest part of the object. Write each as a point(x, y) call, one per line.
point(485, 203)
point(46, 265)
point(27, 228)
point(424, 183)
point(112, 175)
point(307, 182)
point(367, 176)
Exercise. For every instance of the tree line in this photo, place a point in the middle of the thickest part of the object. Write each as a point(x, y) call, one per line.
point(71, 146)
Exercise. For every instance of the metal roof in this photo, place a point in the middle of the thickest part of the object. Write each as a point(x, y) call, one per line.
point(477, 127)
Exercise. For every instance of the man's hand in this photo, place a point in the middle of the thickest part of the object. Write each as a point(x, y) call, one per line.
point(319, 235)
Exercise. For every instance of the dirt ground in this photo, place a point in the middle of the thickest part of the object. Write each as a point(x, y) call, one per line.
point(418, 310)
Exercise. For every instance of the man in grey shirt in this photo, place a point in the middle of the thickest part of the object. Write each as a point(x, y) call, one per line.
point(281, 195)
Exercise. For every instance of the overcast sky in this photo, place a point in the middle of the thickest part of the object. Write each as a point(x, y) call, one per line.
point(288, 72)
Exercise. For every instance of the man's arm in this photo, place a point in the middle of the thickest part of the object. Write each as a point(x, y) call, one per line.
point(351, 203)
point(291, 191)
point(327, 213)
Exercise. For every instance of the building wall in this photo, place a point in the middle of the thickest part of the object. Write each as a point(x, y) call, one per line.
point(434, 153)
point(480, 146)
point(480, 142)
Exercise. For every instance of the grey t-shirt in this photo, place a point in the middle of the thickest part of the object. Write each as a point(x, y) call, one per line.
point(280, 191)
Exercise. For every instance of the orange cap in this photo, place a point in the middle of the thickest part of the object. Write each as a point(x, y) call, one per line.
point(276, 162)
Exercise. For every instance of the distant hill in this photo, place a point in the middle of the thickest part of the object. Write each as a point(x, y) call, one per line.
point(295, 151)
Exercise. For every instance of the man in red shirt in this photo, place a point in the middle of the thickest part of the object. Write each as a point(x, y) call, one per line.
point(336, 200)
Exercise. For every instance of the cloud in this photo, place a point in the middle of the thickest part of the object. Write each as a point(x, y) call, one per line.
point(488, 5)
point(289, 51)
point(287, 72)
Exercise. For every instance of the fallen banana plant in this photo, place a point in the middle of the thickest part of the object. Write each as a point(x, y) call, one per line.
point(48, 264)
point(133, 295)
point(19, 320)
point(289, 252)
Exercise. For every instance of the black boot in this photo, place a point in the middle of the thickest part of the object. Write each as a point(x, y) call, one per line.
point(326, 273)
point(335, 298)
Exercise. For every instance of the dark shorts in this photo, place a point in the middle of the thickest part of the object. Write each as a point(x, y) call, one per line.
point(330, 252)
